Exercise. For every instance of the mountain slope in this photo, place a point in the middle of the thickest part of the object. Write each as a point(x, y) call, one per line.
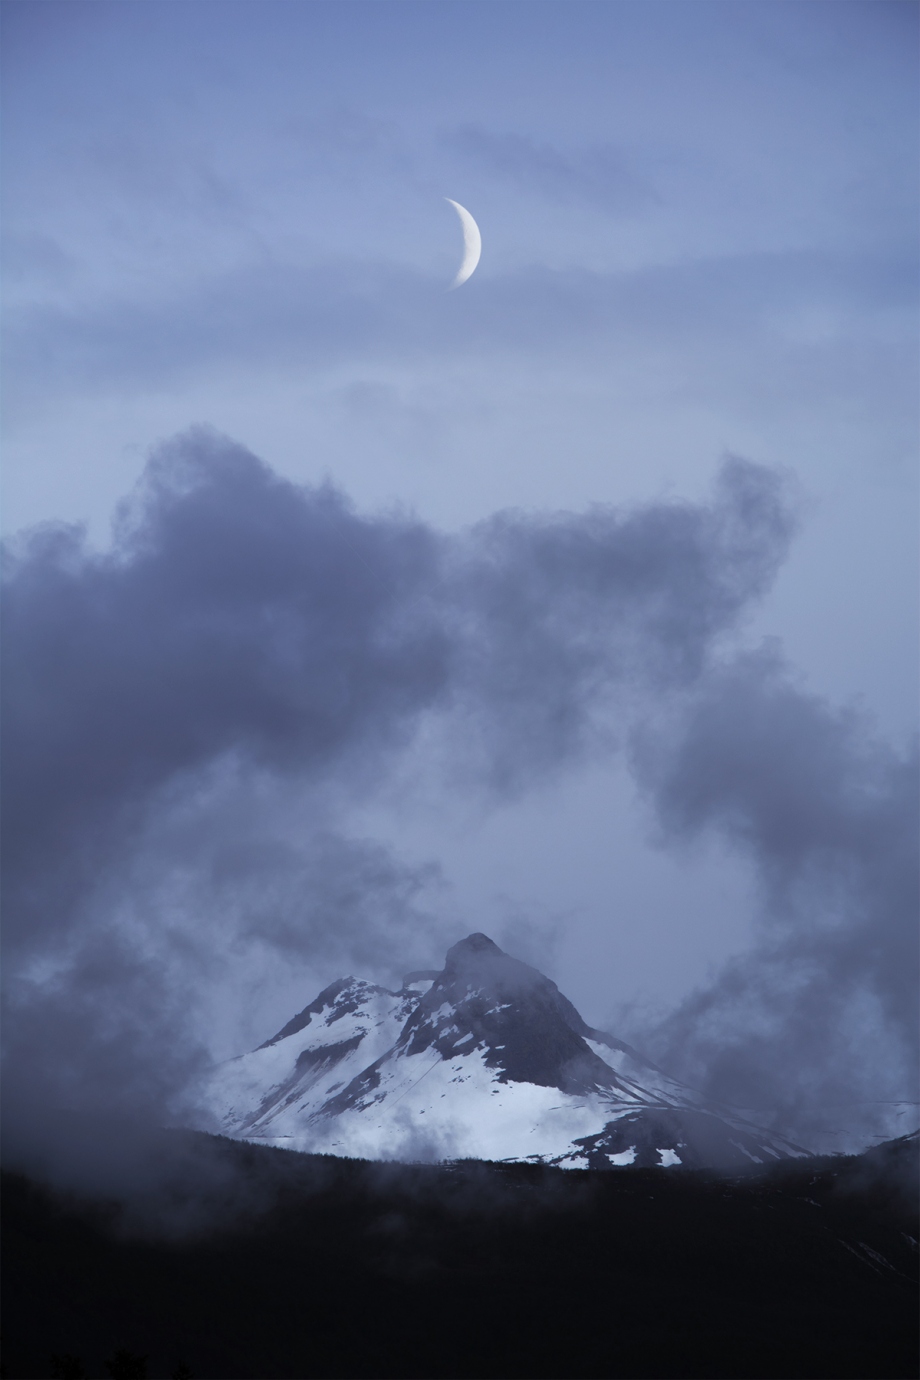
point(350, 1024)
point(485, 1059)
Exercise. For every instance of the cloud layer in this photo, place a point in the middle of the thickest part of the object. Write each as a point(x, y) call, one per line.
point(239, 614)
point(822, 1014)
point(599, 175)
point(188, 714)
point(825, 305)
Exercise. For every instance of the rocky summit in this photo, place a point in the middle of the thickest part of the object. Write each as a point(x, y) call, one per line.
point(484, 1059)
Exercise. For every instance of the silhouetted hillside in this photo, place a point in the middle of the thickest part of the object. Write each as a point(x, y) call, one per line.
point(252, 1262)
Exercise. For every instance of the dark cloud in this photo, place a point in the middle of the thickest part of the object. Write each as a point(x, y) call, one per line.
point(571, 610)
point(184, 712)
point(233, 614)
point(238, 613)
point(188, 714)
point(819, 1019)
point(599, 176)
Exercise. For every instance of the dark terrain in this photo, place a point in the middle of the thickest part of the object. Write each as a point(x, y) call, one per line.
point(247, 1261)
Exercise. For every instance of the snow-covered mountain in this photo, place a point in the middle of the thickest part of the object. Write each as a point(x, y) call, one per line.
point(485, 1059)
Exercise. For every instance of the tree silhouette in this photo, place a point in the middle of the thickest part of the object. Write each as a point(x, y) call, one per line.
point(181, 1372)
point(124, 1365)
point(66, 1367)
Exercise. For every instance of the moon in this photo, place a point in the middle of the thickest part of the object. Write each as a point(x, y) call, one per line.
point(472, 244)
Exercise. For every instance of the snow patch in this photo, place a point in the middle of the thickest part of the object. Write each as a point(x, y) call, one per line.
point(756, 1158)
point(624, 1156)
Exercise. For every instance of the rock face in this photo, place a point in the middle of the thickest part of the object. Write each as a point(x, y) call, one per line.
point(531, 1033)
point(485, 1059)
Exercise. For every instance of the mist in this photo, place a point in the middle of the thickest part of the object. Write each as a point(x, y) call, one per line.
point(191, 714)
point(816, 1024)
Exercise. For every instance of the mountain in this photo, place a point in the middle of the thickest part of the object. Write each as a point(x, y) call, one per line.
point(486, 1060)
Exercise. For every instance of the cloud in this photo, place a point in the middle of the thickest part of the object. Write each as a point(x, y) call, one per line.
point(35, 259)
point(573, 609)
point(344, 140)
point(188, 713)
point(823, 1011)
point(232, 615)
point(240, 613)
point(599, 176)
point(279, 314)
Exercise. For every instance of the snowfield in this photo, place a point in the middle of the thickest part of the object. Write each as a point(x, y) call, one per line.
point(485, 1060)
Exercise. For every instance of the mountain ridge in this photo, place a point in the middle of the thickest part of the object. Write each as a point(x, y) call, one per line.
point(485, 1059)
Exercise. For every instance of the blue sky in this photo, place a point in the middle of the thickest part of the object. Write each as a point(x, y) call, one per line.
point(698, 225)
point(699, 240)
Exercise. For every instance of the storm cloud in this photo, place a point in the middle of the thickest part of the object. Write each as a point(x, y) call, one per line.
point(189, 713)
point(819, 1019)
point(238, 613)
point(184, 710)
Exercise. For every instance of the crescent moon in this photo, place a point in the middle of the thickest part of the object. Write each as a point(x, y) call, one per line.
point(472, 244)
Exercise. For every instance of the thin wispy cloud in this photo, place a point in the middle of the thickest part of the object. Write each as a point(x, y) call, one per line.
point(599, 175)
point(354, 313)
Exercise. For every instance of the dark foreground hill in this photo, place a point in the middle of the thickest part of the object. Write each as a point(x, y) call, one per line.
point(245, 1261)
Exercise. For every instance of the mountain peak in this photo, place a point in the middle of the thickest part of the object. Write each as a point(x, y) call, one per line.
point(486, 1000)
point(478, 961)
point(477, 943)
point(489, 1061)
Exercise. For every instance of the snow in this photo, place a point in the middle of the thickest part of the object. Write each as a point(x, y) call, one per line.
point(650, 1086)
point(481, 1118)
point(744, 1150)
point(624, 1156)
point(343, 1085)
point(244, 1092)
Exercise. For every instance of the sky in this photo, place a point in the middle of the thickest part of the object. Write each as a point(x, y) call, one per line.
point(347, 614)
